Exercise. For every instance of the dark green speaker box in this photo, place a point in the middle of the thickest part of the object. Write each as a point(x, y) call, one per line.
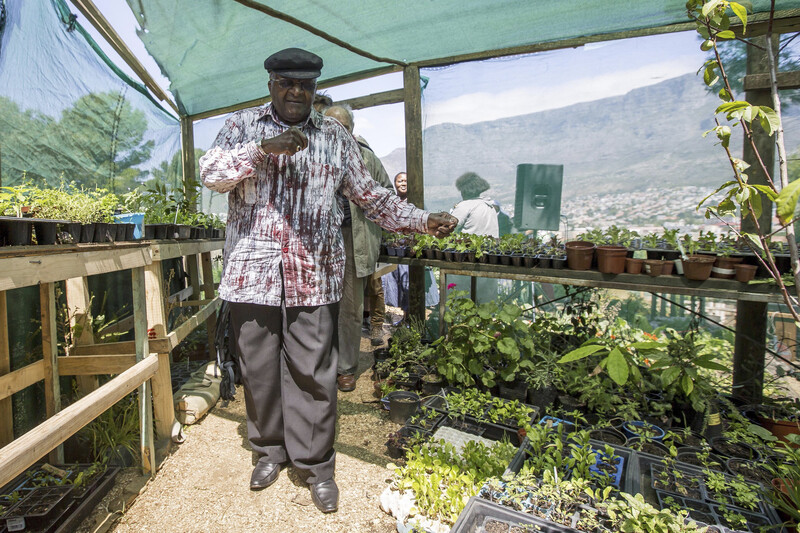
point(538, 198)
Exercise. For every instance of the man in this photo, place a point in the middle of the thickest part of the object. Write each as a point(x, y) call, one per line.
point(362, 240)
point(401, 185)
point(284, 260)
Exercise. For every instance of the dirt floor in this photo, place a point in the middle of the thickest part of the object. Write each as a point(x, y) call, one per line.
point(202, 486)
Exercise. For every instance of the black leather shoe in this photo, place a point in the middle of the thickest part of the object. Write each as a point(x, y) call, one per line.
point(325, 495)
point(264, 474)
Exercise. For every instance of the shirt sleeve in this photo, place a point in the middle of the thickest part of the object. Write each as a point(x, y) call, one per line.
point(231, 160)
point(461, 211)
point(379, 204)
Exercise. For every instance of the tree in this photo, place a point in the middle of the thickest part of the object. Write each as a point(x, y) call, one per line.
point(98, 141)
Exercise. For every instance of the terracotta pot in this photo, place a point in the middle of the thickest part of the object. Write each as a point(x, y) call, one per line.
point(580, 255)
point(698, 267)
point(745, 273)
point(633, 266)
point(666, 268)
point(779, 428)
point(653, 267)
point(611, 259)
point(724, 267)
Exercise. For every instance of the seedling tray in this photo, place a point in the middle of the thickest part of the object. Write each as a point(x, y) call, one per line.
point(618, 479)
point(478, 510)
point(439, 403)
point(33, 511)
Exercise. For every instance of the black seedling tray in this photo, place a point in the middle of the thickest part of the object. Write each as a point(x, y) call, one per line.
point(477, 510)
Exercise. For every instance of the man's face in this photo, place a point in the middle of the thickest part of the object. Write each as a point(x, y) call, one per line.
point(292, 98)
point(401, 184)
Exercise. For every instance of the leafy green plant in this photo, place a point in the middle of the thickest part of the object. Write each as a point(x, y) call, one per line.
point(115, 431)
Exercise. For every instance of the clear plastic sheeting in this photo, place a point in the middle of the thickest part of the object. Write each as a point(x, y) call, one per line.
point(67, 114)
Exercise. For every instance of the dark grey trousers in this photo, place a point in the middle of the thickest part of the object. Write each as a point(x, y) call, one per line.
point(288, 359)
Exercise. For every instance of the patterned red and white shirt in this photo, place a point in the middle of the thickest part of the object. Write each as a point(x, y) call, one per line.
point(283, 231)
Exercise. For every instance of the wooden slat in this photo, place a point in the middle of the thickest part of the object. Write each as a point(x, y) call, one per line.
point(35, 269)
point(109, 348)
point(52, 385)
point(147, 447)
point(672, 284)
point(90, 365)
point(193, 303)
point(6, 412)
point(182, 331)
point(16, 457)
point(194, 275)
point(396, 96)
point(112, 37)
point(325, 84)
point(79, 310)
point(21, 378)
point(163, 250)
point(180, 295)
point(786, 80)
point(207, 272)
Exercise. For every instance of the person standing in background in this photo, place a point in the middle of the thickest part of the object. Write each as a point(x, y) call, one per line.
point(476, 214)
point(362, 240)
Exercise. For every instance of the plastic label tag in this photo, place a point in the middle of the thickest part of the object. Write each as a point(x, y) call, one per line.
point(16, 524)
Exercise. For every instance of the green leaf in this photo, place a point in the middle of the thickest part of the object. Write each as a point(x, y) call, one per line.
point(687, 385)
point(709, 77)
point(727, 34)
point(475, 367)
point(669, 376)
point(580, 353)
point(768, 119)
point(707, 45)
point(725, 95)
point(507, 346)
point(709, 7)
point(767, 191)
point(731, 107)
point(786, 202)
point(617, 367)
point(755, 201)
point(740, 11)
point(647, 345)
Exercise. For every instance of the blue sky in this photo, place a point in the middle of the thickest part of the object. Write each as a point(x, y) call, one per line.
point(482, 90)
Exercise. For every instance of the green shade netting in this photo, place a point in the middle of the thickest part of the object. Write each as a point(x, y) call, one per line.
point(213, 51)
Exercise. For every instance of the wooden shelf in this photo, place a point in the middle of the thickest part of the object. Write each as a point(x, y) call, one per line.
point(672, 284)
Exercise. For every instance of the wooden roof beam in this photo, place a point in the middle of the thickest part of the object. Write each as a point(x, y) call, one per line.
point(102, 25)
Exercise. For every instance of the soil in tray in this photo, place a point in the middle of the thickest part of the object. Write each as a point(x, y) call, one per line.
point(495, 526)
point(750, 471)
point(664, 479)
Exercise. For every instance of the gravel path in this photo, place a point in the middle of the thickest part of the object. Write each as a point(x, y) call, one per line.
point(203, 485)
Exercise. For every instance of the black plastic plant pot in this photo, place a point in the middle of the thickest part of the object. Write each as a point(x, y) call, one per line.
point(515, 390)
point(130, 229)
point(545, 261)
point(479, 513)
point(46, 231)
point(754, 521)
point(531, 261)
point(101, 232)
point(648, 446)
point(119, 232)
point(183, 232)
point(727, 448)
point(399, 440)
point(640, 428)
point(559, 261)
point(16, 231)
point(431, 384)
point(73, 229)
point(610, 435)
point(699, 510)
point(87, 232)
point(542, 397)
point(749, 470)
point(697, 457)
point(402, 404)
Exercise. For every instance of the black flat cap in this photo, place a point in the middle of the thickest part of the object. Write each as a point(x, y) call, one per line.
point(294, 63)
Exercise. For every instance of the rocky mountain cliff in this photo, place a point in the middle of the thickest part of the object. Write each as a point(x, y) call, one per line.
point(649, 136)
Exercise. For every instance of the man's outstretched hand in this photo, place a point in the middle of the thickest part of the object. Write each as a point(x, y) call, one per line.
point(441, 224)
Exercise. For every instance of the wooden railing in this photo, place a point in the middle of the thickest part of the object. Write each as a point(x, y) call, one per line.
point(142, 363)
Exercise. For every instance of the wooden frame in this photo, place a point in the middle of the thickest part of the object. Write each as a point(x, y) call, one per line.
point(142, 363)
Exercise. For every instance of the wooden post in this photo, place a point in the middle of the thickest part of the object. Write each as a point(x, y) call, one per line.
point(6, 412)
point(208, 294)
point(52, 387)
point(416, 194)
point(751, 317)
point(187, 159)
point(147, 444)
point(80, 312)
point(194, 279)
point(163, 408)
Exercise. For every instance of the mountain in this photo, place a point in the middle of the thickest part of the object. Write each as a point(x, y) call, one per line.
point(651, 136)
